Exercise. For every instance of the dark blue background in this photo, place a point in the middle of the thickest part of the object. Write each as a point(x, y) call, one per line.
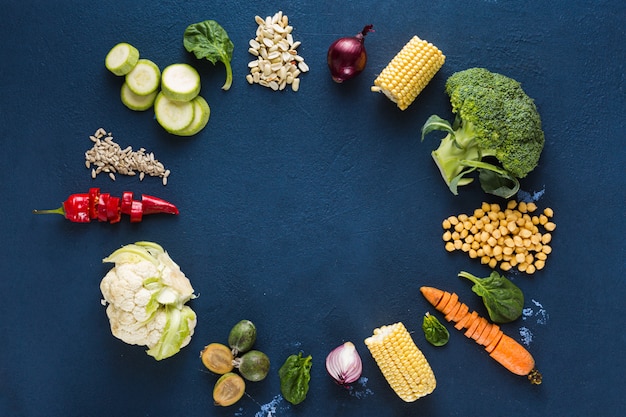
point(315, 214)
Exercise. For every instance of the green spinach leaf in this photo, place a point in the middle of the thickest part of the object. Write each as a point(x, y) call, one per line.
point(503, 299)
point(295, 375)
point(209, 40)
point(435, 332)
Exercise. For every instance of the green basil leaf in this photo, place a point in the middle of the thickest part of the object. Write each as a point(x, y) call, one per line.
point(295, 375)
point(503, 299)
point(435, 332)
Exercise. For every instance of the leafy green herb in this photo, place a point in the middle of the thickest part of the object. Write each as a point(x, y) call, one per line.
point(209, 40)
point(503, 299)
point(295, 375)
point(435, 332)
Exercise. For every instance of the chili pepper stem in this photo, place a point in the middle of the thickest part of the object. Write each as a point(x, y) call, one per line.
point(59, 210)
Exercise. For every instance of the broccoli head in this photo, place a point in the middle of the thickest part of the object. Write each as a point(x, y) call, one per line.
point(496, 131)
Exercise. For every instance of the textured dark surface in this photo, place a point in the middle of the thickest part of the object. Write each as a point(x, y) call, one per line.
point(315, 214)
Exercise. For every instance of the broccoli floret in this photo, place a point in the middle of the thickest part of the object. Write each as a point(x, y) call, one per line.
point(497, 131)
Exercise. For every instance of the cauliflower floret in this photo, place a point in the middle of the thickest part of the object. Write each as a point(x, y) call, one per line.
point(146, 294)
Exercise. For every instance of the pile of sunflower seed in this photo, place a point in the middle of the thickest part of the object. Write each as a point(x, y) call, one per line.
point(277, 63)
point(107, 156)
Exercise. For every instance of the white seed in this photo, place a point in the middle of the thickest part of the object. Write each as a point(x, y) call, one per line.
point(268, 42)
point(253, 51)
point(295, 85)
point(295, 44)
point(273, 85)
point(254, 44)
point(259, 20)
point(112, 176)
point(250, 79)
point(273, 55)
point(93, 173)
point(252, 64)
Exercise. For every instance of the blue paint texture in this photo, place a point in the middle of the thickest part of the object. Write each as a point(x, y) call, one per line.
point(315, 214)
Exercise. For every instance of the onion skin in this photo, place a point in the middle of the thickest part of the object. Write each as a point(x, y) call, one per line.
point(344, 364)
point(347, 56)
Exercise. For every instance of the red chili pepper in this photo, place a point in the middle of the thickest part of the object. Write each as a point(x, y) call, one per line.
point(82, 208)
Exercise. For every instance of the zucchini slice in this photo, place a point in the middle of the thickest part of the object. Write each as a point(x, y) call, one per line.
point(136, 102)
point(122, 58)
point(144, 78)
point(180, 82)
point(171, 114)
point(201, 115)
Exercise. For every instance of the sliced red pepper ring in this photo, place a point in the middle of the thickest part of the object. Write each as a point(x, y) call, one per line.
point(102, 207)
point(136, 212)
point(113, 210)
point(127, 202)
point(94, 194)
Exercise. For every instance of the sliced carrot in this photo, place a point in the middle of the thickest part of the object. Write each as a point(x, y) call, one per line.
point(492, 345)
point(461, 312)
point(472, 328)
point(466, 321)
point(481, 326)
point(453, 312)
point(483, 334)
point(454, 299)
point(513, 356)
point(486, 337)
point(501, 347)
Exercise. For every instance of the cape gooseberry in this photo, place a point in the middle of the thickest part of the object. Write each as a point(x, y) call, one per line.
point(253, 365)
point(228, 389)
point(242, 337)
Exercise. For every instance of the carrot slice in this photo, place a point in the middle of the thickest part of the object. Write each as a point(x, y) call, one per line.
point(486, 337)
point(492, 345)
point(513, 356)
point(454, 299)
point(453, 312)
point(462, 312)
point(472, 328)
point(478, 335)
point(481, 326)
point(466, 321)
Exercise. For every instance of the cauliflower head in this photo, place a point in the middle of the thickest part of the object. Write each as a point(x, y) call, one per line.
point(145, 293)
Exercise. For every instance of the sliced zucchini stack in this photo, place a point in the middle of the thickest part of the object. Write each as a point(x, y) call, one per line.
point(178, 107)
point(174, 93)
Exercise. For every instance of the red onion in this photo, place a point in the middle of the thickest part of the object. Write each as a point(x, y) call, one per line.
point(347, 56)
point(344, 364)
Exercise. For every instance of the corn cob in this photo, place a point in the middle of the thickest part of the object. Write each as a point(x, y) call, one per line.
point(403, 365)
point(409, 72)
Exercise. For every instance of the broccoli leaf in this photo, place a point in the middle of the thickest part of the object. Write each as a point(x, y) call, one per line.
point(209, 40)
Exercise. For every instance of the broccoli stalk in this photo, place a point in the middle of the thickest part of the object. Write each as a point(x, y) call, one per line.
point(460, 154)
point(495, 122)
